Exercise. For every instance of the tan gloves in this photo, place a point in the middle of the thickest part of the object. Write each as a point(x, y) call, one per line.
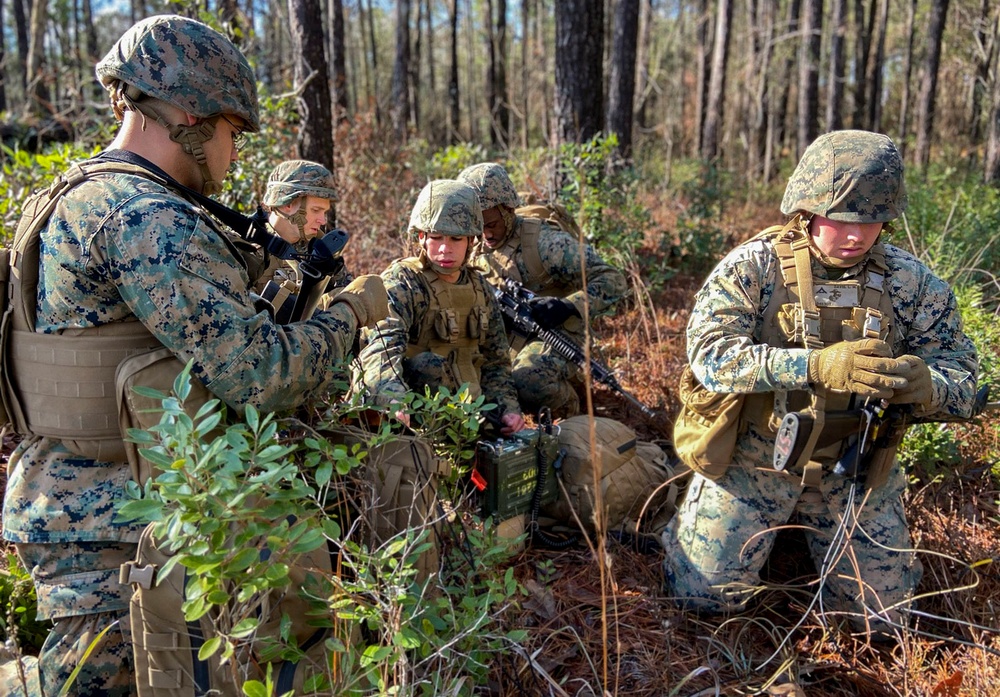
point(919, 388)
point(864, 367)
point(367, 298)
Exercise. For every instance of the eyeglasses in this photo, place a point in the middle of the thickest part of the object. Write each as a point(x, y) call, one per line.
point(239, 134)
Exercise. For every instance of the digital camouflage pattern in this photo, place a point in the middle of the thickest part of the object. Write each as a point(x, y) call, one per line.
point(121, 247)
point(294, 178)
point(848, 176)
point(542, 377)
point(493, 185)
point(389, 374)
point(185, 63)
point(447, 207)
point(724, 348)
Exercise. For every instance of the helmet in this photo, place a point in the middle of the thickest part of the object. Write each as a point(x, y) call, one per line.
point(493, 185)
point(850, 177)
point(447, 207)
point(296, 178)
point(184, 63)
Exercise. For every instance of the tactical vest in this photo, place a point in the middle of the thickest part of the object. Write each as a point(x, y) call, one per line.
point(454, 326)
point(502, 261)
point(805, 312)
point(62, 385)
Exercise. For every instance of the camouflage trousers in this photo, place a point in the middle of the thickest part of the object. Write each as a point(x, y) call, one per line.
point(543, 378)
point(428, 369)
point(77, 587)
point(724, 531)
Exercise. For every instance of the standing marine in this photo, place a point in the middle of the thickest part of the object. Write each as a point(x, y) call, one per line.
point(812, 318)
point(548, 262)
point(127, 262)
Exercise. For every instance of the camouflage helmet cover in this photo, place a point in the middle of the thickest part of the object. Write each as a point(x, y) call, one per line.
point(493, 185)
point(184, 63)
point(447, 207)
point(295, 178)
point(850, 177)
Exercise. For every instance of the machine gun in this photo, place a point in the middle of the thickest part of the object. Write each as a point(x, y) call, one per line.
point(514, 297)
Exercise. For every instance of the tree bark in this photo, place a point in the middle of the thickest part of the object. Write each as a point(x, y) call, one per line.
point(21, 31)
point(621, 94)
point(985, 39)
point(904, 101)
point(38, 103)
point(761, 17)
point(812, 35)
point(399, 110)
point(339, 61)
point(862, 42)
point(928, 88)
point(838, 62)
point(873, 77)
point(717, 83)
point(3, 65)
point(374, 50)
point(413, 73)
point(992, 160)
point(579, 108)
point(500, 121)
point(455, 107)
point(312, 81)
point(642, 63)
point(703, 68)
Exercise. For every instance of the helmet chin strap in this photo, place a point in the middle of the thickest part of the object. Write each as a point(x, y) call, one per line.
point(298, 219)
point(191, 138)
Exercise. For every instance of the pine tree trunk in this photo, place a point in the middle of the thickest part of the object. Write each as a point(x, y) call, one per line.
point(812, 35)
point(838, 62)
point(312, 81)
point(717, 83)
point(928, 88)
point(579, 108)
point(399, 110)
point(339, 62)
point(621, 94)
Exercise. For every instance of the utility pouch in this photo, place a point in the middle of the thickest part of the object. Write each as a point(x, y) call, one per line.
point(707, 426)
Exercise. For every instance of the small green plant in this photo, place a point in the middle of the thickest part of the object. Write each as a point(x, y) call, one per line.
point(18, 624)
point(454, 158)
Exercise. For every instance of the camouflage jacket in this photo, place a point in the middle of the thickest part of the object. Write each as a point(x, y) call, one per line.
point(726, 323)
point(120, 247)
point(560, 257)
point(409, 301)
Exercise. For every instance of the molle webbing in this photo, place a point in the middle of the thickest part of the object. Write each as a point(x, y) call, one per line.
point(66, 382)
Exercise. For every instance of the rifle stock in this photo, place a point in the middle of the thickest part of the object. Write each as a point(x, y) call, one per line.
point(513, 298)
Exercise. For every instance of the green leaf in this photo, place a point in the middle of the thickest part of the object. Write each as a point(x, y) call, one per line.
point(209, 648)
point(254, 688)
point(245, 627)
point(145, 510)
point(244, 558)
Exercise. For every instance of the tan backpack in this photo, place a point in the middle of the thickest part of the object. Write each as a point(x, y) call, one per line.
point(552, 212)
point(633, 476)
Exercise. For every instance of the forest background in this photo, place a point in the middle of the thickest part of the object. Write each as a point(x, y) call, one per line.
point(668, 129)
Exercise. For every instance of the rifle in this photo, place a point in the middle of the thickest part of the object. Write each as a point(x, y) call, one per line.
point(513, 298)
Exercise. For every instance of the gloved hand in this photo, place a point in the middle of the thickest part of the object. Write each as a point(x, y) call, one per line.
point(550, 313)
point(366, 296)
point(919, 386)
point(864, 367)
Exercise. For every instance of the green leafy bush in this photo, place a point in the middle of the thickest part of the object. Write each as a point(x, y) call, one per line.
point(19, 604)
point(226, 494)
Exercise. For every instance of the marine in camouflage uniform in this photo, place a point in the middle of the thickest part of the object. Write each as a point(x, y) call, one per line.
point(548, 262)
point(426, 342)
point(299, 198)
point(847, 185)
point(122, 247)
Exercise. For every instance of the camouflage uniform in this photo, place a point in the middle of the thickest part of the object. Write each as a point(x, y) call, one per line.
point(291, 180)
point(724, 531)
point(117, 248)
point(394, 359)
point(543, 378)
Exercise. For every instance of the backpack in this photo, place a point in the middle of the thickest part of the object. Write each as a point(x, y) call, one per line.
point(552, 212)
point(632, 475)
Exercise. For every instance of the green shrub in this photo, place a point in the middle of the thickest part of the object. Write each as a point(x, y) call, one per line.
point(262, 481)
point(19, 605)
